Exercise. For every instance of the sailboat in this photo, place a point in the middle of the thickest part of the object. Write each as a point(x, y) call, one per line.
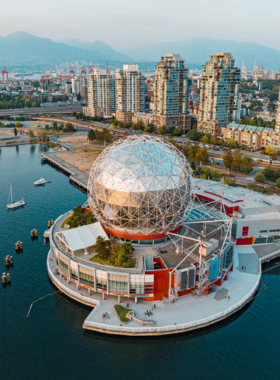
point(13, 205)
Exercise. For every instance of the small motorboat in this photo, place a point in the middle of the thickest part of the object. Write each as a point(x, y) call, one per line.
point(40, 182)
point(12, 205)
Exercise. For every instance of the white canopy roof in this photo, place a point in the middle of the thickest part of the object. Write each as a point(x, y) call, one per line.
point(83, 237)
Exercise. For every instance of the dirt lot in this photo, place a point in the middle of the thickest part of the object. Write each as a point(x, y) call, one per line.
point(73, 140)
point(83, 158)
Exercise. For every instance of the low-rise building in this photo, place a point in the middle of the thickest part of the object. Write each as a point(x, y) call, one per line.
point(146, 118)
point(252, 136)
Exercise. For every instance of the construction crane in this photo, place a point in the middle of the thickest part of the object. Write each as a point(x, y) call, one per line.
point(4, 72)
point(71, 72)
point(108, 71)
point(83, 72)
point(91, 69)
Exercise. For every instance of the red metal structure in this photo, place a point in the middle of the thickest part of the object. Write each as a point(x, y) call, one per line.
point(4, 72)
point(108, 71)
point(83, 72)
point(91, 69)
point(71, 72)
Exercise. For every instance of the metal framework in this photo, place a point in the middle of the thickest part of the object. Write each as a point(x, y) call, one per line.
point(141, 185)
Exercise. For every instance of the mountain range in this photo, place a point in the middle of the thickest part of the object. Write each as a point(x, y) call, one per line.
point(24, 49)
point(197, 50)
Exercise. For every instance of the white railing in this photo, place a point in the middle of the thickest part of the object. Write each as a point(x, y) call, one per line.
point(182, 326)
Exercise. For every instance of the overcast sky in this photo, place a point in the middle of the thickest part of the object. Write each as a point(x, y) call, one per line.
point(127, 23)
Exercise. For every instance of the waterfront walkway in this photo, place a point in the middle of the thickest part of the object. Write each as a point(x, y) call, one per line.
point(187, 313)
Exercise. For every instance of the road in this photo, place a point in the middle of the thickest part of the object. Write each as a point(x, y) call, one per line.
point(42, 110)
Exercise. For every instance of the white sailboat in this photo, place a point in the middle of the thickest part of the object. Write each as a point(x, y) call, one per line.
point(13, 205)
point(40, 182)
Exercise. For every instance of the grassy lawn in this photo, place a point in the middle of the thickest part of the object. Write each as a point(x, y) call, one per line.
point(122, 311)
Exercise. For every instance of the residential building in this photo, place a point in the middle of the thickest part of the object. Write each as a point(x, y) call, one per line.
point(277, 127)
point(171, 92)
point(130, 90)
point(218, 94)
point(146, 118)
point(101, 94)
point(252, 136)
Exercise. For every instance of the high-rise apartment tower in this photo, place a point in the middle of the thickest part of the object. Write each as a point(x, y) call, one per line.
point(101, 94)
point(130, 89)
point(171, 92)
point(218, 94)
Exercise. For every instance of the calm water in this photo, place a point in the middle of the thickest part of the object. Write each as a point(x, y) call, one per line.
point(51, 343)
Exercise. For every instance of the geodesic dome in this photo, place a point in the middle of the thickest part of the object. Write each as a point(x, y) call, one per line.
point(140, 185)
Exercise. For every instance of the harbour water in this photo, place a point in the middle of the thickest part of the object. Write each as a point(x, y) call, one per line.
point(51, 343)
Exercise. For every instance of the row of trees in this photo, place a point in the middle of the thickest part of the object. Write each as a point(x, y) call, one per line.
point(12, 101)
point(237, 162)
point(81, 116)
point(68, 127)
point(100, 136)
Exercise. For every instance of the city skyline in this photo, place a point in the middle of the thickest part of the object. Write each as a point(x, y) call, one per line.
point(148, 26)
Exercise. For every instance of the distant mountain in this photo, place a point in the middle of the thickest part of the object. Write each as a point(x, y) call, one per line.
point(100, 47)
point(197, 51)
point(25, 49)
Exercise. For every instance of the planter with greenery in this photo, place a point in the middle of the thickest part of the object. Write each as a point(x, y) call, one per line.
point(80, 217)
point(115, 255)
point(121, 313)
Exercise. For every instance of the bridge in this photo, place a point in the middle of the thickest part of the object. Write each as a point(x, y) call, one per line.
point(42, 110)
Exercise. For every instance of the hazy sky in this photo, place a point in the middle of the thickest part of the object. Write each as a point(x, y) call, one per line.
point(127, 23)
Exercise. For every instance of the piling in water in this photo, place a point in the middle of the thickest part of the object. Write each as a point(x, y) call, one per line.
point(11, 260)
point(8, 277)
point(4, 278)
point(20, 245)
point(7, 261)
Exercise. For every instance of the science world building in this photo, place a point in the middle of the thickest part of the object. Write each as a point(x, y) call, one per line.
point(141, 191)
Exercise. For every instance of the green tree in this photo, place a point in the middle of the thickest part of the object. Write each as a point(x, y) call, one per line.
point(91, 135)
point(161, 130)
point(31, 133)
point(54, 124)
point(231, 143)
point(269, 151)
point(194, 135)
point(102, 247)
point(107, 135)
point(246, 165)
point(193, 151)
point(213, 140)
point(17, 124)
point(277, 183)
point(271, 173)
point(42, 135)
point(228, 158)
point(260, 177)
point(15, 132)
point(28, 103)
point(202, 156)
point(69, 127)
point(237, 160)
point(204, 139)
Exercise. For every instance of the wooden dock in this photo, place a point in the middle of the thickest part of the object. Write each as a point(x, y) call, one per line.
point(77, 178)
